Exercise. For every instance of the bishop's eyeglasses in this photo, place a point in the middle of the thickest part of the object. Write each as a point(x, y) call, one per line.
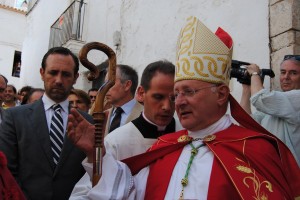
point(188, 92)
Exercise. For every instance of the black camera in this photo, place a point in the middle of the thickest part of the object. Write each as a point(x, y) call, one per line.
point(242, 75)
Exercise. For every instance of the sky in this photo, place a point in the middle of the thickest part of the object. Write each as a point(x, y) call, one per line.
point(19, 3)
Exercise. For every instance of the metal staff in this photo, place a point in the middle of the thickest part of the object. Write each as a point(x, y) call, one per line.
point(98, 114)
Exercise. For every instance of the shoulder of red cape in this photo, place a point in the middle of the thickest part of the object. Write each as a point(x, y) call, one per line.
point(171, 142)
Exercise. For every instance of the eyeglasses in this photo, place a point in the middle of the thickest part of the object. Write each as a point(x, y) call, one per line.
point(93, 97)
point(292, 57)
point(188, 92)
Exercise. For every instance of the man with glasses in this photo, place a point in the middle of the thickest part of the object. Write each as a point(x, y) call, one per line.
point(277, 111)
point(93, 93)
point(212, 158)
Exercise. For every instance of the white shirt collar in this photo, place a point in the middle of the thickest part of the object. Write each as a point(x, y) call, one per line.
point(127, 107)
point(48, 103)
point(223, 123)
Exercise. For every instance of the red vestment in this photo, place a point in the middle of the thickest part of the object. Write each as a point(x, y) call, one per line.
point(9, 189)
point(247, 164)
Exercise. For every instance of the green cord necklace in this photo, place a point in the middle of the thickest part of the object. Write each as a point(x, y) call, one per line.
point(185, 180)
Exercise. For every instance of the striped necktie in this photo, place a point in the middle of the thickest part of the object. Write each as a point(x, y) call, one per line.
point(56, 132)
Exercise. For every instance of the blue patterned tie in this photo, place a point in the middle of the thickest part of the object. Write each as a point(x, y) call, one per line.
point(56, 132)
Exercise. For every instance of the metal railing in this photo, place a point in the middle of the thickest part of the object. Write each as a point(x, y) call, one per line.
point(69, 25)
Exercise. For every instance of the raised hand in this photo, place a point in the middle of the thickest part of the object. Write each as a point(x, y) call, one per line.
point(81, 133)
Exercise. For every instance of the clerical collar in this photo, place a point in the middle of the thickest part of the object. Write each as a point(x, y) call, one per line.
point(159, 128)
point(223, 123)
point(150, 130)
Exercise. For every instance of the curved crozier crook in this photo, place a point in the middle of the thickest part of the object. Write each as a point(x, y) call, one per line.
point(94, 71)
point(98, 114)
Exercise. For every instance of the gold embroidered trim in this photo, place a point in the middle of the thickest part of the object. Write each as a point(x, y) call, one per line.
point(253, 180)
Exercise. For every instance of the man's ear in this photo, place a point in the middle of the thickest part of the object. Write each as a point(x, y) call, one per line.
point(128, 85)
point(42, 72)
point(139, 96)
point(223, 94)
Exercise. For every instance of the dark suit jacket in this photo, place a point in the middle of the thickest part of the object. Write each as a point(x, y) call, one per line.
point(1, 114)
point(135, 113)
point(24, 138)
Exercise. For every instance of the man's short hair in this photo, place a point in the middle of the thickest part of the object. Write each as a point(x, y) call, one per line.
point(63, 51)
point(83, 95)
point(30, 93)
point(293, 58)
point(162, 66)
point(5, 79)
point(92, 90)
point(26, 88)
point(13, 87)
point(128, 73)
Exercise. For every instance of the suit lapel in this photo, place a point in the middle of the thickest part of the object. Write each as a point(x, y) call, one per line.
point(108, 120)
point(135, 113)
point(66, 150)
point(39, 126)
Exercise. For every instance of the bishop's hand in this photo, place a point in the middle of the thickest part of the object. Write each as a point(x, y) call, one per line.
point(81, 133)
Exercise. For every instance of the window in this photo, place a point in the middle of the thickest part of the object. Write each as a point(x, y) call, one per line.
point(16, 70)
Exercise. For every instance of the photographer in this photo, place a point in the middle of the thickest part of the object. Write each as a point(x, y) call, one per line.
point(277, 111)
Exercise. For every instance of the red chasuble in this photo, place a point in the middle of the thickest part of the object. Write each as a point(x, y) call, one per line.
point(248, 163)
point(245, 167)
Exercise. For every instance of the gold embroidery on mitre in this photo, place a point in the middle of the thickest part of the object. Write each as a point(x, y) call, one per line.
point(186, 68)
point(178, 70)
point(213, 68)
point(199, 62)
point(253, 180)
point(188, 43)
point(201, 55)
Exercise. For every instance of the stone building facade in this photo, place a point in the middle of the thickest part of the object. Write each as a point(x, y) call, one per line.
point(284, 33)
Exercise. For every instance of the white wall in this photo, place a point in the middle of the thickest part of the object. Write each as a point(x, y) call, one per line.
point(11, 38)
point(149, 30)
point(36, 41)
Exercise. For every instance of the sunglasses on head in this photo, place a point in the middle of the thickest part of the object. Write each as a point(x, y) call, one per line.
point(292, 57)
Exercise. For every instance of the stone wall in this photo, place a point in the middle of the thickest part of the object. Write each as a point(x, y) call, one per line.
point(284, 33)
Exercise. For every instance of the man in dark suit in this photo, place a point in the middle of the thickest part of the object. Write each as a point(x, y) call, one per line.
point(44, 171)
point(121, 96)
